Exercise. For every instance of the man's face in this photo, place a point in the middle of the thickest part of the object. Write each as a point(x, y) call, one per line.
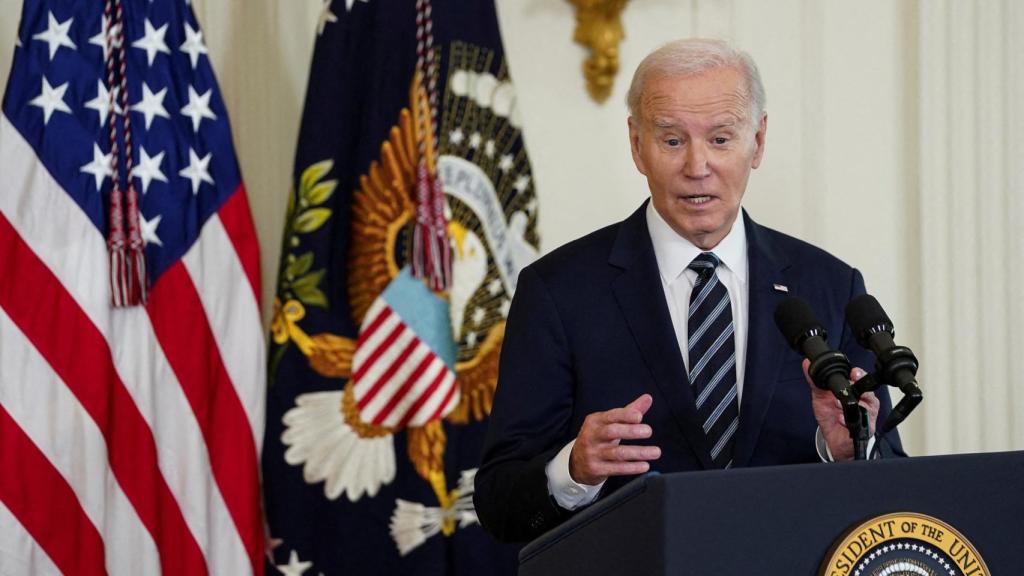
point(696, 143)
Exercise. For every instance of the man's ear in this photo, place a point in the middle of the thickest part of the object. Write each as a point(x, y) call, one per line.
point(634, 144)
point(762, 129)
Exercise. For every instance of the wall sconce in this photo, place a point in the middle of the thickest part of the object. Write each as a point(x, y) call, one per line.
point(599, 27)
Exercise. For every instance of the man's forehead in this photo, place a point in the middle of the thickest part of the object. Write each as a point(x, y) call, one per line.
point(725, 120)
point(699, 92)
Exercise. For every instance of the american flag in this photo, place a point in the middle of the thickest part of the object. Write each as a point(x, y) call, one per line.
point(128, 436)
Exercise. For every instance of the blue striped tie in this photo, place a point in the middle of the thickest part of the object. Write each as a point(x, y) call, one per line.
point(712, 351)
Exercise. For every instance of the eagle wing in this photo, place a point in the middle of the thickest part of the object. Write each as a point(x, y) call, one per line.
point(381, 207)
point(478, 378)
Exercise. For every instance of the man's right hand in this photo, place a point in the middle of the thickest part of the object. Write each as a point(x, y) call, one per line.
point(598, 452)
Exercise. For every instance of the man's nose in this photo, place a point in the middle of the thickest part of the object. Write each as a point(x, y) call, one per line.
point(695, 163)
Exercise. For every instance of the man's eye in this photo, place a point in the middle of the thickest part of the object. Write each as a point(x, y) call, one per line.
point(720, 140)
point(672, 142)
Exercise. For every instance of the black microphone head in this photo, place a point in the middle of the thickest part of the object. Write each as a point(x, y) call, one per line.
point(796, 321)
point(865, 317)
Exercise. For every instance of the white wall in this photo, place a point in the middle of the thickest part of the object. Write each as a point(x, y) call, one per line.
point(852, 161)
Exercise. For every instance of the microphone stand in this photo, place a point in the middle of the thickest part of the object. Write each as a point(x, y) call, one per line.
point(867, 383)
point(856, 417)
point(911, 398)
point(824, 369)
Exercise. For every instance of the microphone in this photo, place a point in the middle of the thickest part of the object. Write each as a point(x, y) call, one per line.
point(871, 326)
point(829, 369)
point(894, 365)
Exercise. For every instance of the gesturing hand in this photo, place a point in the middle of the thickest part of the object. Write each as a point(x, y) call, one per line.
point(598, 452)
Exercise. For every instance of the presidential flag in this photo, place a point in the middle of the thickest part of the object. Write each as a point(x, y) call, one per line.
point(412, 213)
point(131, 353)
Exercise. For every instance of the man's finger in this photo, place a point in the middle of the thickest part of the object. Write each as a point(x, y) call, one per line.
point(642, 403)
point(627, 453)
point(631, 413)
point(613, 432)
point(624, 468)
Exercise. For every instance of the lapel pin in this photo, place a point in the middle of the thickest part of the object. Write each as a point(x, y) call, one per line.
point(781, 288)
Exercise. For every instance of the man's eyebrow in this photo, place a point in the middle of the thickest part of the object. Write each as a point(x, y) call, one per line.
point(728, 122)
point(663, 123)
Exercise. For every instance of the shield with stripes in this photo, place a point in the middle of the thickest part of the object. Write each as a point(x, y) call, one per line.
point(403, 367)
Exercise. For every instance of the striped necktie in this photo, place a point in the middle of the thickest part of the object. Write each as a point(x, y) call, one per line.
point(712, 351)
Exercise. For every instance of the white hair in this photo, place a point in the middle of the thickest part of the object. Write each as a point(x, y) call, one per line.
point(692, 56)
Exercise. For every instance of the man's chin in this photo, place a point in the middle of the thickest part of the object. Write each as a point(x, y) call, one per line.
point(704, 233)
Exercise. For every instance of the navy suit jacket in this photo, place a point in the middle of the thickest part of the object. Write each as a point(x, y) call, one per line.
point(589, 330)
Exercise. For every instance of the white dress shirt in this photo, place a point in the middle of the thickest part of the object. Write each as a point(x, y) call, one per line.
point(674, 254)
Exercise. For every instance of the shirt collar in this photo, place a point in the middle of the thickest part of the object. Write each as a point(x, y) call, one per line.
point(674, 253)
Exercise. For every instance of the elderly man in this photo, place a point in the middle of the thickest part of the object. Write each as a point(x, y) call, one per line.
point(650, 344)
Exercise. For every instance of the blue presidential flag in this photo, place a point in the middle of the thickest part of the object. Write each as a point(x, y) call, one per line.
point(412, 213)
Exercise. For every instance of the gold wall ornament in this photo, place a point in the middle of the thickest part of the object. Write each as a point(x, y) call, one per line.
point(599, 27)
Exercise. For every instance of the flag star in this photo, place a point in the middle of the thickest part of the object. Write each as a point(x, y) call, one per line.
point(99, 167)
point(471, 339)
point(17, 42)
point(148, 229)
point(349, 3)
point(101, 103)
point(151, 104)
point(494, 288)
point(152, 42)
point(51, 99)
point(489, 148)
point(522, 183)
point(100, 39)
point(474, 140)
point(326, 17)
point(531, 206)
point(270, 545)
point(148, 169)
point(198, 107)
point(478, 315)
point(456, 136)
point(193, 45)
point(56, 35)
point(294, 567)
point(197, 170)
point(505, 304)
point(505, 164)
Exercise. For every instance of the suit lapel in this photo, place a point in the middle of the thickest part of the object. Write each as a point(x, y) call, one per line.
point(765, 347)
point(642, 300)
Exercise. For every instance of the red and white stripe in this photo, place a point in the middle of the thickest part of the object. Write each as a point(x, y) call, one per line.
point(397, 379)
point(129, 438)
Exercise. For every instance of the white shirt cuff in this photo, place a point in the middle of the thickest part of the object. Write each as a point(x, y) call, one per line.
point(823, 451)
point(568, 493)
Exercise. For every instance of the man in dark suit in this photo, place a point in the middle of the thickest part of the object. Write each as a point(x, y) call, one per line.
point(650, 344)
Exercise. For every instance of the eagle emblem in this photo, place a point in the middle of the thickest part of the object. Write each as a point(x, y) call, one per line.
point(422, 356)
